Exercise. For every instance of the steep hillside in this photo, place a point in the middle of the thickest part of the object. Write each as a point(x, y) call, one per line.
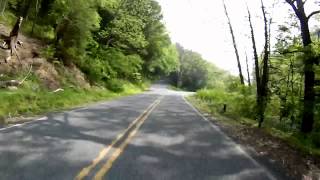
point(31, 55)
point(46, 84)
point(80, 51)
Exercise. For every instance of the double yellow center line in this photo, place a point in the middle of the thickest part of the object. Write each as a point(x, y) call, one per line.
point(131, 130)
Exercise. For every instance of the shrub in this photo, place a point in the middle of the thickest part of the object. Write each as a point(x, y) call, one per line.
point(315, 137)
point(115, 85)
point(238, 103)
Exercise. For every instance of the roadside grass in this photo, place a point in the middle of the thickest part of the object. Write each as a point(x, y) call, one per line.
point(29, 102)
point(303, 143)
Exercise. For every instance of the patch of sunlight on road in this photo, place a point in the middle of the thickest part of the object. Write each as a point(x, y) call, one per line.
point(158, 140)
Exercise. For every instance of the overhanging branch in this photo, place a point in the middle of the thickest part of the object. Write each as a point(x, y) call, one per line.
point(313, 13)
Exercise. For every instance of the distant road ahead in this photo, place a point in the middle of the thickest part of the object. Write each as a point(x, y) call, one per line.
point(153, 136)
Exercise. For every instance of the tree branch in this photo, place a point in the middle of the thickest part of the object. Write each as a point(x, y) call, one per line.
point(26, 77)
point(313, 13)
point(294, 7)
point(304, 2)
point(291, 1)
point(16, 83)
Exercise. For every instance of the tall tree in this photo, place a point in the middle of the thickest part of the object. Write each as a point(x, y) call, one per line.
point(193, 71)
point(248, 71)
point(234, 43)
point(309, 61)
point(262, 77)
point(265, 68)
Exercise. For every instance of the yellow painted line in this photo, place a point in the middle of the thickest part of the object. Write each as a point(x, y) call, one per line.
point(118, 151)
point(86, 170)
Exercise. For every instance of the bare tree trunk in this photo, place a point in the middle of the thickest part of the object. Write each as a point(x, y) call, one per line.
point(15, 83)
point(248, 71)
point(309, 74)
point(256, 63)
point(14, 35)
point(265, 68)
point(234, 43)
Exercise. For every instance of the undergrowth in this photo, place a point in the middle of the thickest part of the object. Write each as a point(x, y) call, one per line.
point(306, 144)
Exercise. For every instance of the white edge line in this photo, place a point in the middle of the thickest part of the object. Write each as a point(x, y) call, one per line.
point(232, 142)
point(25, 123)
point(46, 118)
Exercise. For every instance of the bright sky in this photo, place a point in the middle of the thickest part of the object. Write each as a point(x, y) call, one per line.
point(201, 25)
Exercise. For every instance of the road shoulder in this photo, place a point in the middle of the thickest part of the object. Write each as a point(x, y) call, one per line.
point(255, 144)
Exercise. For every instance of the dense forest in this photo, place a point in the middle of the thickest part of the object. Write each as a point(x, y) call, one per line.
point(107, 40)
point(118, 45)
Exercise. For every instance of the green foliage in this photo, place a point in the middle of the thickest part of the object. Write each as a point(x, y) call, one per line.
point(166, 62)
point(8, 18)
point(115, 85)
point(128, 32)
point(48, 52)
point(315, 139)
point(238, 103)
point(102, 65)
point(75, 26)
point(192, 73)
point(285, 101)
point(117, 39)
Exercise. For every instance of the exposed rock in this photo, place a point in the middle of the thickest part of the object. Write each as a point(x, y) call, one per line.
point(12, 88)
point(29, 53)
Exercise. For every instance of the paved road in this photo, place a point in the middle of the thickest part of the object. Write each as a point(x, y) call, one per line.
point(152, 136)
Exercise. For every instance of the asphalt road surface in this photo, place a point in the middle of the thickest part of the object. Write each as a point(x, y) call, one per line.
point(152, 136)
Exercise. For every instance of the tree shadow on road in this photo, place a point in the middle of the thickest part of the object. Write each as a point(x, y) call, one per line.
point(59, 147)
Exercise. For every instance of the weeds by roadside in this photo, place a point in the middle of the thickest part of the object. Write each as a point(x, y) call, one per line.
point(29, 102)
point(297, 153)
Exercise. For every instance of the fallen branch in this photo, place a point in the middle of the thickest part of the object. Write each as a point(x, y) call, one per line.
point(58, 90)
point(15, 83)
point(26, 77)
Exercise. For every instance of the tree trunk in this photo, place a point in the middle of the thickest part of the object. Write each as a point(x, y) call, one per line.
point(13, 38)
point(309, 80)
point(309, 75)
point(234, 44)
point(257, 69)
point(248, 71)
point(265, 68)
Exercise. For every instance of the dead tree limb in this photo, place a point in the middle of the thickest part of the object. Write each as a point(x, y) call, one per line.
point(234, 43)
point(12, 40)
point(248, 71)
point(16, 83)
